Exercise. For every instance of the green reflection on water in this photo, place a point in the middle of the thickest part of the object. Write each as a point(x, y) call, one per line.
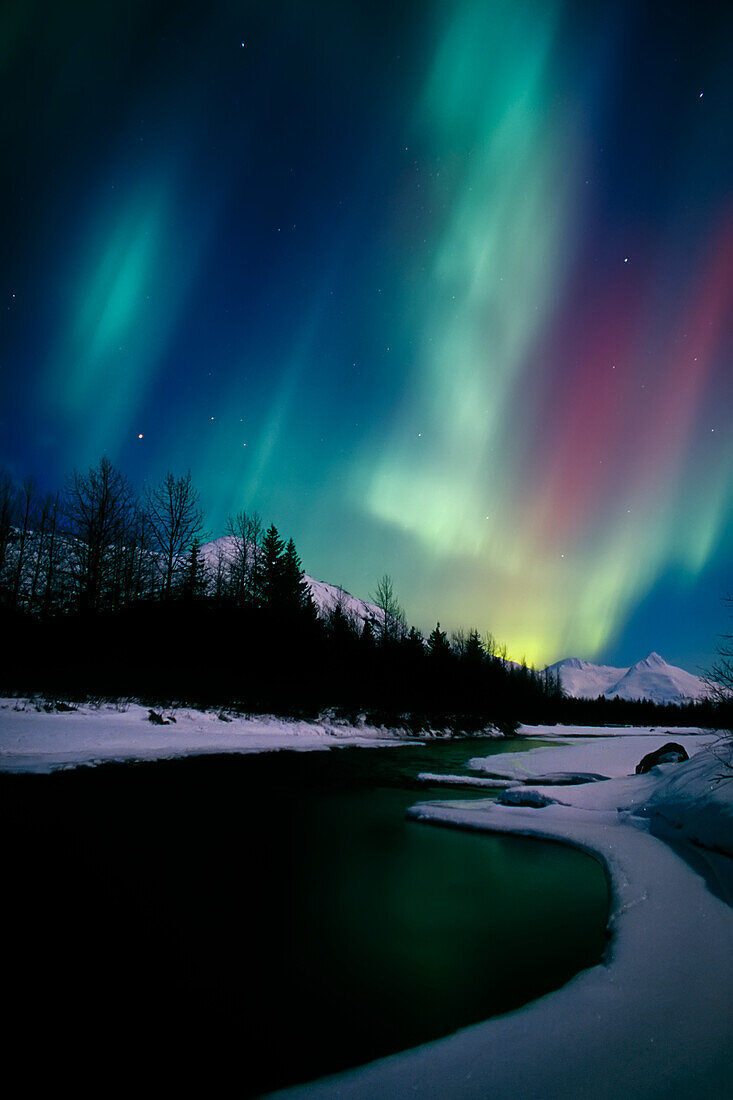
point(418, 930)
point(285, 905)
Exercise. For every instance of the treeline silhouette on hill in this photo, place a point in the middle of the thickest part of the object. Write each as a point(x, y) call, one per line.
point(107, 593)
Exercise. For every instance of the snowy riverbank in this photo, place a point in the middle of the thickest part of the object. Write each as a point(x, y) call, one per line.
point(654, 1020)
point(33, 739)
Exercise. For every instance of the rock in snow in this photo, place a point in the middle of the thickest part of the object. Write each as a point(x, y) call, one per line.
point(671, 753)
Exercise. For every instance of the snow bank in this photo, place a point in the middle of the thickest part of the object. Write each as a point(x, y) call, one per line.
point(32, 740)
point(438, 779)
point(570, 733)
point(696, 798)
point(654, 1020)
point(607, 756)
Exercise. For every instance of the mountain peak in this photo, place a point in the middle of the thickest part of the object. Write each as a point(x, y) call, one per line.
point(650, 678)
point(653, 660)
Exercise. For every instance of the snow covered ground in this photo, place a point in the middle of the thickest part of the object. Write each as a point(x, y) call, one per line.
point(655, 1019)
point(602, 756)
point(34, 740)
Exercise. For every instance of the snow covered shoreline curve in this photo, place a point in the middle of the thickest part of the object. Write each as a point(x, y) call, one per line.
point(654, 1019)
point(34, 739)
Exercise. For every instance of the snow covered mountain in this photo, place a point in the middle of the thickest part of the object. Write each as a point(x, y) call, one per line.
point(325, 596)
point(651, 678)
point(581, 679)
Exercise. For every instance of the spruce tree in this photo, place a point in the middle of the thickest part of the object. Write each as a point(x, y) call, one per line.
point(367, 642)
point(340, 626)
point(295, 591)
point(438, 643)
point(474, 652)
point(194, 580)
point(273, 553)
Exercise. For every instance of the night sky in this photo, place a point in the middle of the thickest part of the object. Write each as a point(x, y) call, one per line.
point(443, 289)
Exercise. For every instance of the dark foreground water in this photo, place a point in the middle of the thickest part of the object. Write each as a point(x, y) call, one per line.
point(273, 916)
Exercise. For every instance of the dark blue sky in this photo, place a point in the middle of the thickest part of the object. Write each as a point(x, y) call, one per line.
point(443, 289)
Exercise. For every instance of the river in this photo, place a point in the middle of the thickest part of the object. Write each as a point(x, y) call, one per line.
point(279, 910)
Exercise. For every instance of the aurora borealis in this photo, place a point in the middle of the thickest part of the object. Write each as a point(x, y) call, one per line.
point(443, 289)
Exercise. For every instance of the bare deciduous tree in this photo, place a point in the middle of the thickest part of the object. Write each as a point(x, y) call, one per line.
point(220, 571)
point(246, 556)
point(7, 518)
point(720, 676)
point(391, 622)
point(176, 525)
point(100, 508)
point(245, 530)
point(25, 507)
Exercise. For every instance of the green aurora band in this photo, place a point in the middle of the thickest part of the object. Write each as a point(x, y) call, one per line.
point(375, 276)
point(451, 471)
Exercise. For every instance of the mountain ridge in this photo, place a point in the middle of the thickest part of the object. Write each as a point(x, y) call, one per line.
point(651, 678)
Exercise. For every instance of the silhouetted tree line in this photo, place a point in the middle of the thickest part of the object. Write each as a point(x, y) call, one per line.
point(104, 592)
point(707, 713)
